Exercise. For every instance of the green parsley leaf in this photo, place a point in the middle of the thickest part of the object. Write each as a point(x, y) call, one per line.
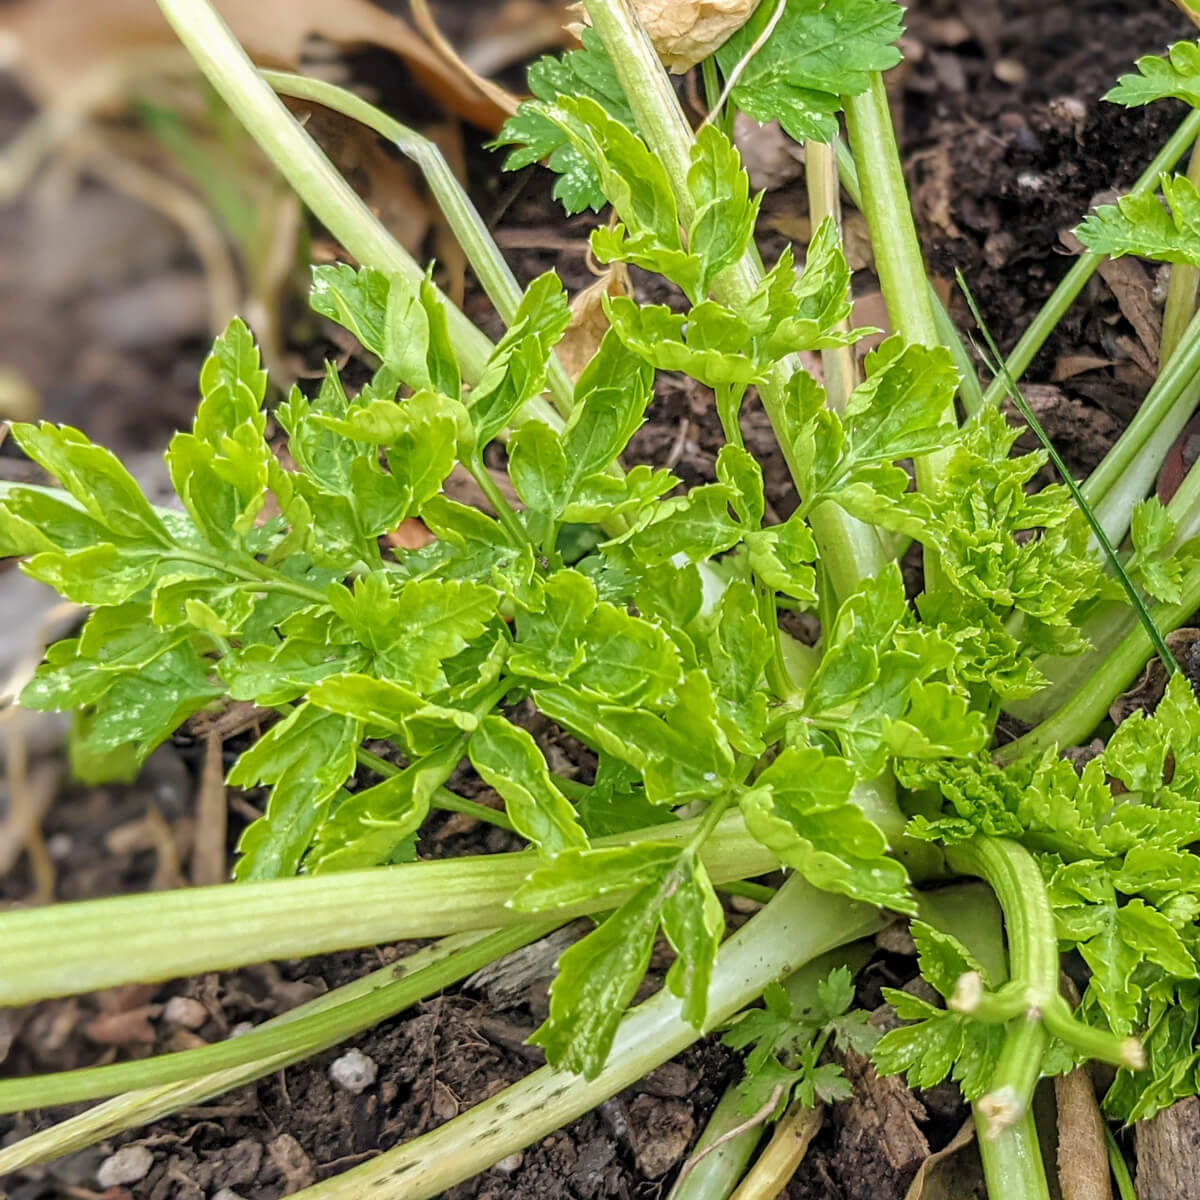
point(819, 51)
point(1175, 76)
point(508, 759)
point(1141, 225)
point(586, 72)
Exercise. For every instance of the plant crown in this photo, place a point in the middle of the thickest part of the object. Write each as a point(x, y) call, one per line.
point(642, 617)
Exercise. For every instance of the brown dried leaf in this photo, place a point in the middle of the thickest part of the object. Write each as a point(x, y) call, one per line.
point(1067, 366)
point(686, 31)
point(588, 322)
point(950, 1174)
point(274, 32)
point(1180, 458)
point(123, 1028)
point(1133, 287)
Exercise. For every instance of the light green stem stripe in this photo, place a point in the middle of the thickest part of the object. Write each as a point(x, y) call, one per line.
point(797, 925)
point(1127, 471)
point(951, 338)
point(405, 982)
point(899, 262)
point(1180, 305)
point(303, 1035)
point(103, 943)
point(884, 201)
point(1012, 1161)
point(300, 160)
point(1013, 874)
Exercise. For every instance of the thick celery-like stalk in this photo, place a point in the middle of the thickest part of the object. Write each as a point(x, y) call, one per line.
point(164, 935)
point(798, 924)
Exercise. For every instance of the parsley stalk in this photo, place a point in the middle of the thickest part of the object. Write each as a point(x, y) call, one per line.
point(470, 230)
point(850, 550)
point(1030, 1004)
point(1088, 702)
point(300, 160)
point(283, 1040)
point(798, 924)
point(898, 259)
point(290, 918)
point(1180, 304)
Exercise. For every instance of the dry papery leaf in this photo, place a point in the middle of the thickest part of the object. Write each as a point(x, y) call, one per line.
point(588, 321)
point(685, 32)
point(49, 61)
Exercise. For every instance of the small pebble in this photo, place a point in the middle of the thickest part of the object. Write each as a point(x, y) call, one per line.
point(59, 846)
point(353, 1072)
point(1008, 70)
point(510, 1163)
point(129, 1165)
point(242, 1027)
point(185, 1012)
point(226, 1193)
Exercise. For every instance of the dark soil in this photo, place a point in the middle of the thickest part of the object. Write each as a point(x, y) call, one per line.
point(1007, 145)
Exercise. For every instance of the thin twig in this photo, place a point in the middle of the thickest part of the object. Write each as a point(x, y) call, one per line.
point(752, 1122)
point(424, 21)
point(743, 62)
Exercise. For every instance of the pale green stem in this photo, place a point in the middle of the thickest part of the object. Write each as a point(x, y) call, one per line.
point(797, 925)
point(103, 943)
point(1109, 622)
point(1012, 1162)
point(300, 160)
point(469, 228)
point(718, 1172)
point(898, 259)
point(391, 990)
point(969, 388)
point(824, 200)
point(850, 550)
point(1180, 306)
point(1030, 1006)
point(414, 978)
point(1075, 720)
point(1017, 881)
point(884, 201)
point(1119, 1167)
point(1129, 469)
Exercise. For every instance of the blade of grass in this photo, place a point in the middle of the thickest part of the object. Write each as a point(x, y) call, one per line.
point(1001, 367)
